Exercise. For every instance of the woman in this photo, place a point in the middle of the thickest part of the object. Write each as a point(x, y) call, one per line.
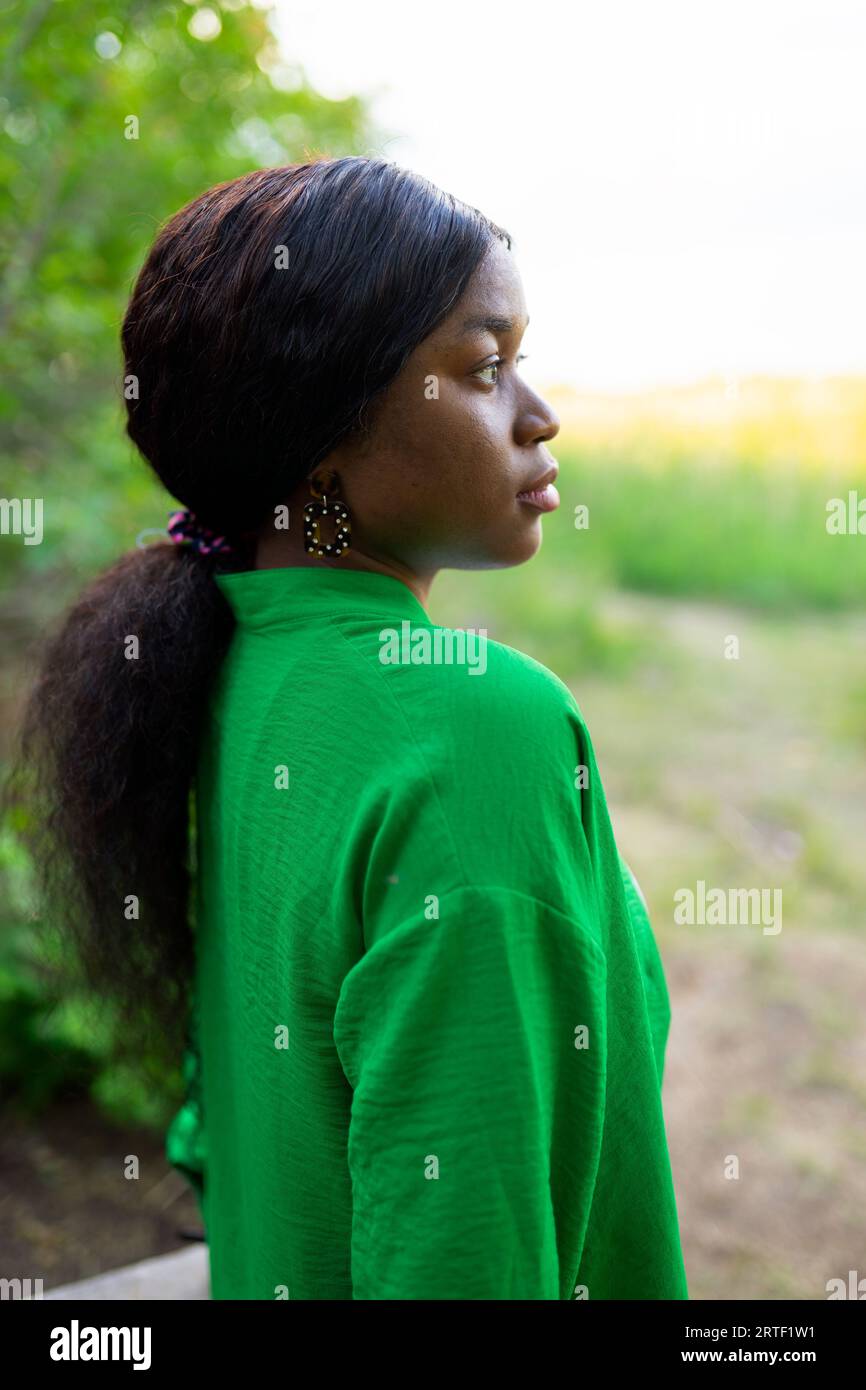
point(429, 1018)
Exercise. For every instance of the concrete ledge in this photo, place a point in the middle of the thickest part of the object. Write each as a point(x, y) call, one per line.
point(185, 1274)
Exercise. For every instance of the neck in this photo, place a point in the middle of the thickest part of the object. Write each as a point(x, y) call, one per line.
point(282, 549)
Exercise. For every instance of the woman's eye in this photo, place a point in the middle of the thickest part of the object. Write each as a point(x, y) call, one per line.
point(494, 368)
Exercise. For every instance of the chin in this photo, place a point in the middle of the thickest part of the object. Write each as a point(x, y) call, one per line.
point(527, 542)
point(514, 549)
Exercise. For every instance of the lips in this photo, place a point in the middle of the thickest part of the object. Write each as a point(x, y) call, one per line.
point(546, 499)
point(542, 494)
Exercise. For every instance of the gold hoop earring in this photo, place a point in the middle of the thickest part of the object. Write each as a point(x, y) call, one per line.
point(323, 487)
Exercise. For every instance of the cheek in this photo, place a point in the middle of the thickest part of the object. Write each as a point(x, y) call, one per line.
point(436, 468)
point(455, 422)
point(466, 439)
point(459, 479)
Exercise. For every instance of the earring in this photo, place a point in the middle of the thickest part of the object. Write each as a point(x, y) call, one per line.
point(323, 486)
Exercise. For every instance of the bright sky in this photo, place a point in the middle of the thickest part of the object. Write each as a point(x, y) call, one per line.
point(685, 180)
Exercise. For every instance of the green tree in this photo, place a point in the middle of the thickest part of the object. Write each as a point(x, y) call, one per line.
point(114, 116)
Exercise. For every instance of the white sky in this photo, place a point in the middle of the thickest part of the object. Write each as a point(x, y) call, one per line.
point(685, 180)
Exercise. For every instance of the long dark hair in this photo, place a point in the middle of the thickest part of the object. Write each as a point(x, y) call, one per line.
point(269, 315)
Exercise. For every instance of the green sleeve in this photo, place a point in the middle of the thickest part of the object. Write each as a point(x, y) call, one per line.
point(475, 1043)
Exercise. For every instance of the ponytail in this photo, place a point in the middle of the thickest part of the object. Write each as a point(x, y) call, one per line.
point(109, 744)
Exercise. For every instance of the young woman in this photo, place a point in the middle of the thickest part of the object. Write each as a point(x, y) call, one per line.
point(426, 1015)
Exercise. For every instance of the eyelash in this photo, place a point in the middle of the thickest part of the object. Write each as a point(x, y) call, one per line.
point(489, 366)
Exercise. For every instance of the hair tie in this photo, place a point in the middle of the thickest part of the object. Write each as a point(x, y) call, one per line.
point(184, 528)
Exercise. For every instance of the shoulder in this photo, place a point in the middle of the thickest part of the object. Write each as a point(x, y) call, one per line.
point(467, 684)
point(475, 775)
point(493, 727)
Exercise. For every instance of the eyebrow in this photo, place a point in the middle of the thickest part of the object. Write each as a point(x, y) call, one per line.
point(490, 324)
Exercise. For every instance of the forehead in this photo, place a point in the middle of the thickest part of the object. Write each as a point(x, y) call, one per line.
point(494, 292)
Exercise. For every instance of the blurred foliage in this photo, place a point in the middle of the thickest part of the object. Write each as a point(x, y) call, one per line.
point(716, 490)
point(80, 203)
point(733, 531)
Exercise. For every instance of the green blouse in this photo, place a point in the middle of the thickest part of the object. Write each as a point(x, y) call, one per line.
point(430, 1015)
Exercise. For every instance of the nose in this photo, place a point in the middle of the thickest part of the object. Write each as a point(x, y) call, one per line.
point(537, 422)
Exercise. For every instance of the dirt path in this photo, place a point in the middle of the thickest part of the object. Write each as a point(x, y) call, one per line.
point(753, 773)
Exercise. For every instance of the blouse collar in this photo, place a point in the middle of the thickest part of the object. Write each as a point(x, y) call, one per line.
point(299, 593)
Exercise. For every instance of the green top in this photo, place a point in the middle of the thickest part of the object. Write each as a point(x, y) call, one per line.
point(431, 1016)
